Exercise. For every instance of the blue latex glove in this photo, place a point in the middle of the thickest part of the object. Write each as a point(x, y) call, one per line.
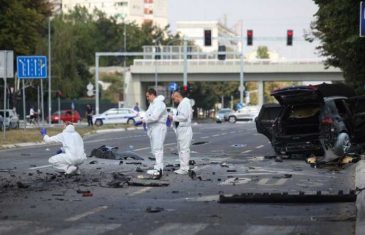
point(138, 123)
point(43, 131)
point(168, 122)
point(145, 126)
point(59, 151)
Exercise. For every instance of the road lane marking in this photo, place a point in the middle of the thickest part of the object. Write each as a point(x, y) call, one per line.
point(142, 190)
point(140, 149)
point(204, 137)
point(264, 182)
point(247, 151)
point(215, 135)
point(89, 228)
point(39, 167)
point(260, 146)
point(87, 213)
point(179, 229)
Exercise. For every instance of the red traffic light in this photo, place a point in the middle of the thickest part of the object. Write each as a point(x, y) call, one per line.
point(289, 37)
point(186, 88)
point(290, 33)
point(249, 37)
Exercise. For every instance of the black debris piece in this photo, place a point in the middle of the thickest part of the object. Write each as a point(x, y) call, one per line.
point(270, 157)
point(152, 158)
point(278, 159)
point(148, 183)
point(199, 143)
point(33, 165)
point(119, 180)
point(232, 170)
point(138, 169)
point(93, 162)
point(289, 198)
point(223, 164)
point(120, 162)
point(82, 191)
point(134, 163)
point(192, 174)
point(110, 152)
point(213, 173)
point(22, 185)
point(175, 191)
point(169, 165)
point(288, 175)
point(154, 209)
point(192, 162)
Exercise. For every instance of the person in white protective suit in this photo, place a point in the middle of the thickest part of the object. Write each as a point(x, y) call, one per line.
point(72, 153)
point(184, 133)
point(155, 120)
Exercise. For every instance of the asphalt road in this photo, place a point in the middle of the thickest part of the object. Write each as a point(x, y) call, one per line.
point(230, 159)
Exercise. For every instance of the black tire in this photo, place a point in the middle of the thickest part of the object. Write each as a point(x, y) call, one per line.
point(98, 122)
point(232, 119)
point(131, 121)
point(342, 144)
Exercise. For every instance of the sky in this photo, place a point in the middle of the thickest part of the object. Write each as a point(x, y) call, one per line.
point(267, 18)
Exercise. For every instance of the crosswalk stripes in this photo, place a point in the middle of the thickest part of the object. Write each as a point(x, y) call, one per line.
point(88, 228)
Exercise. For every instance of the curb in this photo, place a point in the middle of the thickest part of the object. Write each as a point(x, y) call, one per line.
point(360, 199)
point(28, 144)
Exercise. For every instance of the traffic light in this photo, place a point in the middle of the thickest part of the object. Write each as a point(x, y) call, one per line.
point(207, 37)
point(249, 37)
point(190, 87)
point(289, 37)
point(186, 88)
point(222, 48)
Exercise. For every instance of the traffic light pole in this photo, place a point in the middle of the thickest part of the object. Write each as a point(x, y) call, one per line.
point(241, 88)
point(97, 84)
point(185, 83)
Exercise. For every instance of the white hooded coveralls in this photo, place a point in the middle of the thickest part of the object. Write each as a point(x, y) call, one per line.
point(73, 149)
point(184, 132)
point(155, 120)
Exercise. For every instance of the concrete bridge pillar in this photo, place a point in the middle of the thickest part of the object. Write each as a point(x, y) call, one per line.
point(260, 93)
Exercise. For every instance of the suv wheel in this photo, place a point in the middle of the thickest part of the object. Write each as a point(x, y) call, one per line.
point(232, 119)
point(342, 144)
point(98, 122)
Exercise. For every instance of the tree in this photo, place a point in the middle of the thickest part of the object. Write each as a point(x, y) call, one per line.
point(262, 52)
point(337, 26)
point(22, 24)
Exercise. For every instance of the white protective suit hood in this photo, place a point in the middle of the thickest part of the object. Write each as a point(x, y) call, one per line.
point(156, 112)
point(160, 98)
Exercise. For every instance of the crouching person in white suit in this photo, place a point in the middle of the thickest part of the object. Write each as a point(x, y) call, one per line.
point(72, 154)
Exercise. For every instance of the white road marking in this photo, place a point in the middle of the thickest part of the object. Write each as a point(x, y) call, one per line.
point(179, 229)
point(215, 135)
point(264, 182)
point(140, 149)
point(260, 146)
point(90, 212)
point(247, 151)
point(142, 190)
point(263, 229)
point(8, 225)
point(89, 228)
point(39, 167)
point(204, 137)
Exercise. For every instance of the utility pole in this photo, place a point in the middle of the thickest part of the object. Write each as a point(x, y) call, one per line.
point(49, 74)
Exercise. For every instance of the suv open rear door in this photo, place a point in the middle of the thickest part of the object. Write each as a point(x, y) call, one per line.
point(357, 106)
point(266, 119)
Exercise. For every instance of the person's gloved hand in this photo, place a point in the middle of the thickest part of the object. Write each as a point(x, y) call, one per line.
point(59, 151)
point(43, 131)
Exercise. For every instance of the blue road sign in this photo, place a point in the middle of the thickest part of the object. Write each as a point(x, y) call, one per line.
point(32, 67)
point(362, 19)
point(172, 86)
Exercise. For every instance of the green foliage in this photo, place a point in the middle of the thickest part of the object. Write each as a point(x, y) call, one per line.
point(22, 24)
point(337, 26)
point(262, 52)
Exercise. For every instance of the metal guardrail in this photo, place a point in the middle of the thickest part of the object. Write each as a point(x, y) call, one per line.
point(144, 62)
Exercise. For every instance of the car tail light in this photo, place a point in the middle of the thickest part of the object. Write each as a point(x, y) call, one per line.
point(327, 121)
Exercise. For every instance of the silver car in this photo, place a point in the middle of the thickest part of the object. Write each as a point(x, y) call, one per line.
point(222, 115)
point(11, 118)
point(247, 113)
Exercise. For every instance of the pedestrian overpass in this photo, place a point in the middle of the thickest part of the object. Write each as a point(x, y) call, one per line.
point(144, 73)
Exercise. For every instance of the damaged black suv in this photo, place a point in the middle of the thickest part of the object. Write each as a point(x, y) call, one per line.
point(314, 119)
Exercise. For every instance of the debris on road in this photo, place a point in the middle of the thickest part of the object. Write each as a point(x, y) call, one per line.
point(192, 162)
point(109, 152)
point(289, 198)
point(148, 183)
point(152, 158)
point(93, 162)
point(119, 180)
point(22, 185)
point(138, 169)
point(154, 209)
point(199, 143)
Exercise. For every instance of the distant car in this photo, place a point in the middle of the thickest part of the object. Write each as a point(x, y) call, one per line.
point(11, 118)
point(67, 115)
point(247, 113)
point(222, 115)
point(314, 119)
point(118, 116)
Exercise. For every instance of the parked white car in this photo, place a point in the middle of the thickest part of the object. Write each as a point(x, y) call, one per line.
point(247, 113)
point(117, 116)
point(11, 118)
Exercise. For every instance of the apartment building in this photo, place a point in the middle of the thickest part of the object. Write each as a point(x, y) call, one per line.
point(138, 11)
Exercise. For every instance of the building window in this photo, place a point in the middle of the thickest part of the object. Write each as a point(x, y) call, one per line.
point(148, 1)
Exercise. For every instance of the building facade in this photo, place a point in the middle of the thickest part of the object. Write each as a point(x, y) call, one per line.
point(198, 30)
point(138, 11)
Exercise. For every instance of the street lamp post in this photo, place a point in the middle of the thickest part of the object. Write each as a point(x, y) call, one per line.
point(49, 73)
